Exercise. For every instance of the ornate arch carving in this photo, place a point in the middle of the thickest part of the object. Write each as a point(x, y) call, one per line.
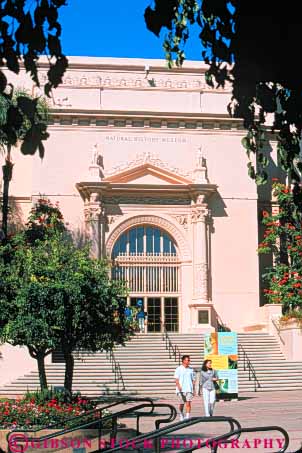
point(163, 222)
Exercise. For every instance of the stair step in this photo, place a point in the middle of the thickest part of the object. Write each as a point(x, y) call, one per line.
point(148, 369)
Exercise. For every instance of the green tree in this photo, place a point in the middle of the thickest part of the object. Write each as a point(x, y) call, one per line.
point(29, 30)
point(254, 46)
point(23, 121)
point(55, 295)
point(283, 238)
point(28, 312)
point(92, 317)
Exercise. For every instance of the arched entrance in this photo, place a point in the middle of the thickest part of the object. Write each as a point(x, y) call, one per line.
point(146, 258)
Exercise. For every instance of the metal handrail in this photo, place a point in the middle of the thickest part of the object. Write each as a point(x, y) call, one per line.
point(172, 349)
point(88, 424)
point(113, 418)
point(116, 369)
point(214, 443)
point(247, 363)
point(158, 433)
point(277, 327)
point(222, 439)
point(221, 326)
point(217, 443)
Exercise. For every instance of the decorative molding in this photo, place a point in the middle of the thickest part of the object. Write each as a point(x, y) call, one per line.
point(145, 200)
point(147, 157)
point(103, 79)
point(201, 281)
point(93, 213)
point(62, 102)
point(161, 222)
point(182, 219)
point(71, 117)
point(199, 214)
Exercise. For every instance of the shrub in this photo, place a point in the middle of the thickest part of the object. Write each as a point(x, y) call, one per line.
point(41, 409)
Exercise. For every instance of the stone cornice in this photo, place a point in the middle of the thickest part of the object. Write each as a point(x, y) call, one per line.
point(143, 114)
point(166, 190)
point(176, 122)
point(129, 64)
point(169, 122)
point(137, 74)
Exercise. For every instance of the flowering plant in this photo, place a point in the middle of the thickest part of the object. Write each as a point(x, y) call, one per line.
point(35, 411)
point(283, 238)
point(44, 220)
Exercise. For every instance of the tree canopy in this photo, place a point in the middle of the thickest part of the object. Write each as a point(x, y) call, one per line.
point(23, 120)
point(53, 295)
point(254, 47)
point(27, 31)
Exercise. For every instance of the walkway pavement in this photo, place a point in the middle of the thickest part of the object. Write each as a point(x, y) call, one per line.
point(252, 409)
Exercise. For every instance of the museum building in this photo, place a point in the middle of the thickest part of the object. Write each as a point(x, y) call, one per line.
point(146, 163)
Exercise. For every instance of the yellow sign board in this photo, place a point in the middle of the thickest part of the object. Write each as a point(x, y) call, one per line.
point(219, 362)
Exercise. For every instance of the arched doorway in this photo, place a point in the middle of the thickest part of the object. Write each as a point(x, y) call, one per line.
point(146, 258)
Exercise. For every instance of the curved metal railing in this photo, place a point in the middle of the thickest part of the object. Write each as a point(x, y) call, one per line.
point(95, 417)
point(173, 350)
point(156, 435)
point(116, 369)
point(247, 364)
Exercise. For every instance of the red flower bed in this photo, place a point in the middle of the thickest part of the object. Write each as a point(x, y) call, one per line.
point(31, 411)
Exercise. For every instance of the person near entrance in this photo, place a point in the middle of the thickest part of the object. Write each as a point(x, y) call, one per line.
point(128, 313)
point(208, 383)
point(185, 386)
point(141, 316)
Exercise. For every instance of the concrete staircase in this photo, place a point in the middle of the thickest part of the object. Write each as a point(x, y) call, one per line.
point(147, 368)
point(272, 371)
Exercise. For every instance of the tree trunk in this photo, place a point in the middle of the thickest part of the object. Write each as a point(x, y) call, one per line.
point(42, 373)
point(7, 171)
point(69, 365)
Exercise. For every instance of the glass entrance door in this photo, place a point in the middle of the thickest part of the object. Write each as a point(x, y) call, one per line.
point(171, 314)
point(154, 314)
point(161, 311)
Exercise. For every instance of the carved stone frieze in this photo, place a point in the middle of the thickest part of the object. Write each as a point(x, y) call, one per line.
point(150, 158)
point(99, 79)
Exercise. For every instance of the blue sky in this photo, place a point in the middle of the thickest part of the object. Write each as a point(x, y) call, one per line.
point(113, 28)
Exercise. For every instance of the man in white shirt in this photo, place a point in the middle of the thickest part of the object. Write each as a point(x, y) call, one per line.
point(185, 386)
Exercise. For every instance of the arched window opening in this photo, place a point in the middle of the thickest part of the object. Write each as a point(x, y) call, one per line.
point(145, 258)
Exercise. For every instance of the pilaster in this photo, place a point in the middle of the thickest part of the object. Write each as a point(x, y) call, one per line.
point(95, 225)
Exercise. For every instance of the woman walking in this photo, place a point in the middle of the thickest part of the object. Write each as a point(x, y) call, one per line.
point(208, 378)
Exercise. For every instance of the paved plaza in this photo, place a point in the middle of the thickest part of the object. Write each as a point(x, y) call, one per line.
point(252, 409)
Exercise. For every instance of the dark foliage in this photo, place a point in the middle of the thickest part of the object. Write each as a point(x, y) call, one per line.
point(255, 47)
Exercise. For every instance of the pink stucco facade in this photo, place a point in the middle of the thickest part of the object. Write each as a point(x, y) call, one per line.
point(130, 149)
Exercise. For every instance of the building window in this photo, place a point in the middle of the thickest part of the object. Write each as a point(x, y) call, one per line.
point(145, 258)
point(203, 316)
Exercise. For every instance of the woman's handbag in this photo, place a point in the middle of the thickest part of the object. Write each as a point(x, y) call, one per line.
point(216, 385)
